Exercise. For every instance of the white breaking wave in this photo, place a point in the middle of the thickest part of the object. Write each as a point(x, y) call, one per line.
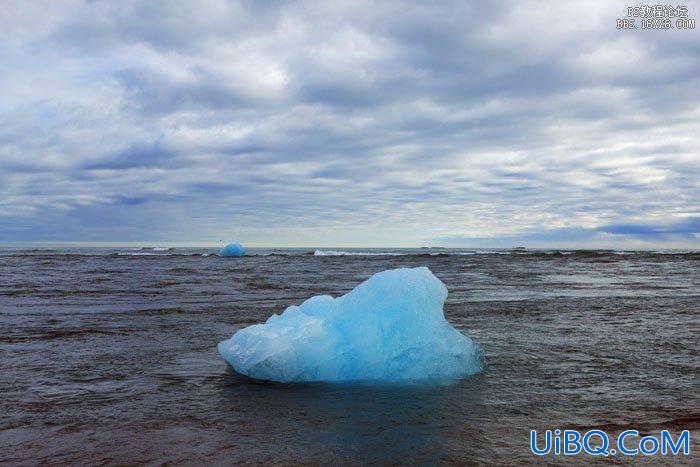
point(408, 253)
point(357, 253)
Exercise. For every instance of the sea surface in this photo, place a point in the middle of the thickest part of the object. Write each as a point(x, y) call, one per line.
point(108, 356)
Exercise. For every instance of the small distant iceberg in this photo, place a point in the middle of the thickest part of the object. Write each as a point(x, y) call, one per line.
point(389, 328)
point(232, 249)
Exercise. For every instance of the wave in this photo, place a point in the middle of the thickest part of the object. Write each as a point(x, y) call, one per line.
point(582, 254)
point(421, 252)
point(144, 253)
point(359, 253)
point(138, 254)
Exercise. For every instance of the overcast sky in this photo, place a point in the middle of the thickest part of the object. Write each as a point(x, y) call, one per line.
point(347, 123)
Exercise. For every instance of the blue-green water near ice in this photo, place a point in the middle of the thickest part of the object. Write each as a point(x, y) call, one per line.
point(109, 356)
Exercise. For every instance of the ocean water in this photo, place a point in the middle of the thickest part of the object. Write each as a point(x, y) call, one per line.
point(109, 356)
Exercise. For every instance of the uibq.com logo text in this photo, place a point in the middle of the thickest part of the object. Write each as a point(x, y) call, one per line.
point(598, 443)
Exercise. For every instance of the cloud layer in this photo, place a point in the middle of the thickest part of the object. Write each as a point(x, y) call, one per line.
point(346, 123)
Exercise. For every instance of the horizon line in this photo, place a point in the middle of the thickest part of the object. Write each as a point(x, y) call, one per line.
point(145, 244)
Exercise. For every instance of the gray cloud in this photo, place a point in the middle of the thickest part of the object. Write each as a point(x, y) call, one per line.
point(615, 235)
point(344, 122)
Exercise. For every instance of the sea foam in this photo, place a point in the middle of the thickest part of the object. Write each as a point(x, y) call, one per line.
point(390, 327)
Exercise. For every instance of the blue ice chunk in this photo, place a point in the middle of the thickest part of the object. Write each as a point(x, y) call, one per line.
point(391, 327)
point(232, 249)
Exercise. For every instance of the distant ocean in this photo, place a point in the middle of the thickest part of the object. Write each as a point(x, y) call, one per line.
point(108, 355)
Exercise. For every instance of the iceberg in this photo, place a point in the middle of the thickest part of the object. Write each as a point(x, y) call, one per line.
point(391, 327)
point(232, 249)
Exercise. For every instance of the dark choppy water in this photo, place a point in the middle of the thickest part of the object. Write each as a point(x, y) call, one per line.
point(111, 358)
